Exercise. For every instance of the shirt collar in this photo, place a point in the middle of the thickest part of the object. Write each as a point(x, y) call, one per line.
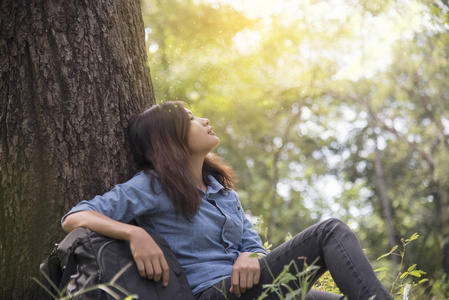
point(214, 186)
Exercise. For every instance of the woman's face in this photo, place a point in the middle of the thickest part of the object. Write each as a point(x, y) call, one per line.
point(201, 138)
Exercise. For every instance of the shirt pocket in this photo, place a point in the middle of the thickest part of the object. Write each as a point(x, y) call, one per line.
point(234, 211)
point(233, 227)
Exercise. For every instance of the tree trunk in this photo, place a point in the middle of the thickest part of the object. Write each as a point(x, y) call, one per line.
point(386, 203)
point(71, 74)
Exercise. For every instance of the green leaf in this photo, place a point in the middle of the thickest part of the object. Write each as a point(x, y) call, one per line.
point(411, 268)
point(286, 286)
point(287, 278)
point(382, 275)
point(415, 273)
point(383, 255)
point(422, 280)
point(414, 236)
point(294, 294)
point(394, 248)
point(381, 269)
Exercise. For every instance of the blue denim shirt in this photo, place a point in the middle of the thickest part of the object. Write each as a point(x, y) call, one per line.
point(206, 247)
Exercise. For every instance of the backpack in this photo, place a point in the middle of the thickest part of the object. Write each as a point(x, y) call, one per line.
point(87, 265)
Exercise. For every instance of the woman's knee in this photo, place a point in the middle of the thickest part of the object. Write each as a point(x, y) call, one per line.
point(336, 225)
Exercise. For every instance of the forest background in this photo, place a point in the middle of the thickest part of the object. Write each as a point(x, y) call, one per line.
point(324, 109)
point(333, 108)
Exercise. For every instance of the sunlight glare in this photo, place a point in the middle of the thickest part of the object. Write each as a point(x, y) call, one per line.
point(247, 41)
point(375, 35)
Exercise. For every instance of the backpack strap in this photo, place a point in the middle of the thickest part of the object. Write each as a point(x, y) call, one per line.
point(69, 261)
point(50, 271)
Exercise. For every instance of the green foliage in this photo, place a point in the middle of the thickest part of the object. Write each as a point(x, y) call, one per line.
point(402, 284)
point(294, 282)
point(297, 112)
point(327, 284)
point(285, 280)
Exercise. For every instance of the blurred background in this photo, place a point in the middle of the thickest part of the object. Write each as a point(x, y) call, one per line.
point(335, 108)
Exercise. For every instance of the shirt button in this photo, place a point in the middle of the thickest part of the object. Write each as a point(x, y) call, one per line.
point(238, 207)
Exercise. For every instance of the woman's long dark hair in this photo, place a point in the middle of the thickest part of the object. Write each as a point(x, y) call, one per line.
point(158, 141)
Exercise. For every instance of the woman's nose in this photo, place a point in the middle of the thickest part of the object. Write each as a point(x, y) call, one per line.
point(206, 121)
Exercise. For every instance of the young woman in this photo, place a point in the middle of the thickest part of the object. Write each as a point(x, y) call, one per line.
point(184, 193)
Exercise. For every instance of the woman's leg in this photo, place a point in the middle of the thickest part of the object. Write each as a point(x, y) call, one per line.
point(332, 246)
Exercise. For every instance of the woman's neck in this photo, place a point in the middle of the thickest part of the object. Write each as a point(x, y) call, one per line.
point(196, 168)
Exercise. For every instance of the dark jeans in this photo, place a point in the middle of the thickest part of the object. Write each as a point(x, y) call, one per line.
point(330, 245)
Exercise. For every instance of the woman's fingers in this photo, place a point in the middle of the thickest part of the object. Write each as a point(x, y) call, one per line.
point(157, 271)
point(141, 268)
point(245, 274)
point(149, 257)
point(249, 282)
point(256, 278)
point(235, 283)
point(165, 272)
point(243, 281)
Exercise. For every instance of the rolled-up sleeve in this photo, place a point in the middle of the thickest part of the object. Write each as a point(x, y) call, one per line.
point(124, 202)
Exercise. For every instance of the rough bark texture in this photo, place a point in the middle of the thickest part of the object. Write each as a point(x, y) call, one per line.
point(71, 74)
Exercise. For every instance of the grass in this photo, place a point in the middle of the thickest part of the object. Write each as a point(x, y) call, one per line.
point(407, 283)
point(107, 287)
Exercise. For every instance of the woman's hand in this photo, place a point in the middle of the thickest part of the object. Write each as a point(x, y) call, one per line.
point(245, 273)
point(148, 256)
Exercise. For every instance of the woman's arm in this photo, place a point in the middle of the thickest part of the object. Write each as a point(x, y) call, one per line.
point(99, 223)
point(148, 256)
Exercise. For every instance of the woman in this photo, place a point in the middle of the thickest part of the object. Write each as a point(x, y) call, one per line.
point(184, 193)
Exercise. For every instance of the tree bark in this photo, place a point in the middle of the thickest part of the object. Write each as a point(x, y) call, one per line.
point(71, 74)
